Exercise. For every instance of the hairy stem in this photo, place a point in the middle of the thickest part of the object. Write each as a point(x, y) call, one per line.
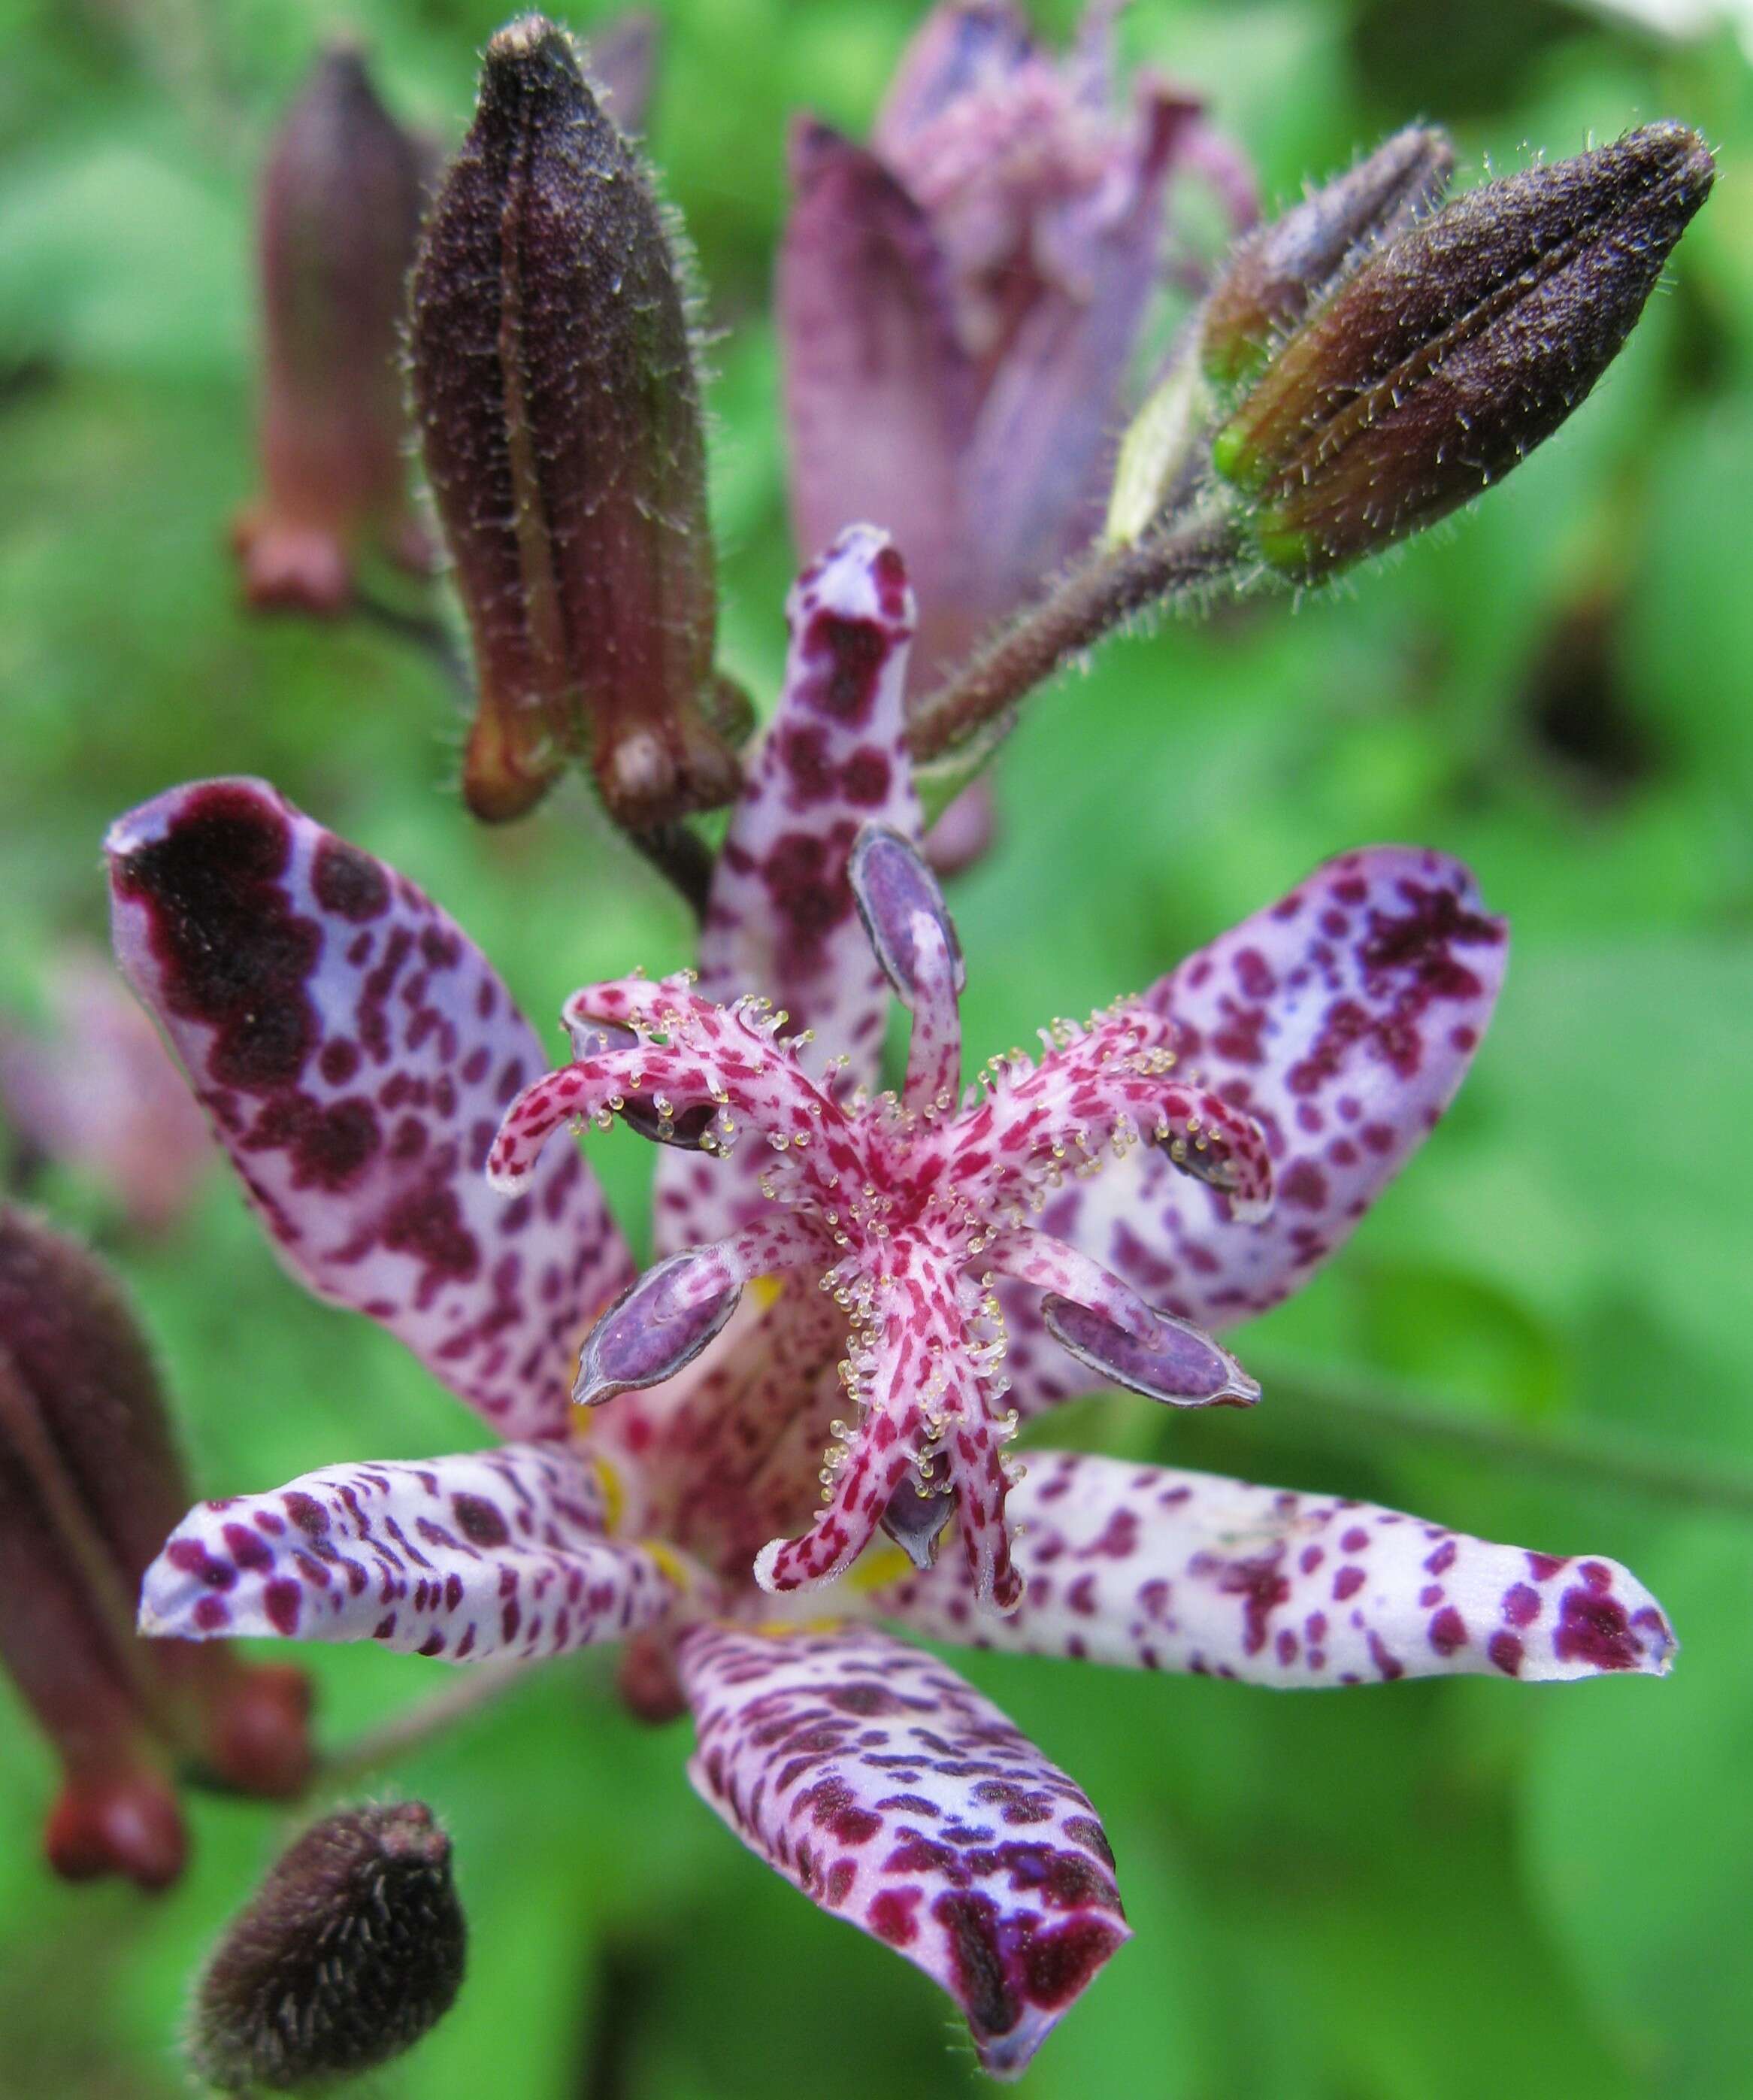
point(1693, 1482)
point(416, 1726)
point(1107, 587)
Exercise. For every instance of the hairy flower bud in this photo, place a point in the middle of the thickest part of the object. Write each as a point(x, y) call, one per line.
point(1451, 352)
point(351, 1950)
point(1279, 271)
point(340, 205)
point(559, 412)
point(91, 1483)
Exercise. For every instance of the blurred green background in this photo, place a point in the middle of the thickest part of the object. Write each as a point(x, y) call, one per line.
point(1434, 1889)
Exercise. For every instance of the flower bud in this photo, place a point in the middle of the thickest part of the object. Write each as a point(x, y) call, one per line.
point(559, 412)
point(91, 1483)
point(340, 205)
point(1454, 351)
point(351, 1950)
point(1278, 272)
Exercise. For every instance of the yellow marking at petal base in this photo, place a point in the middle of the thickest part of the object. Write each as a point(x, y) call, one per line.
point(876, 1570)
point(614, 1494)
point(784, 1629)
point(765, 1289)
point(671, 1562)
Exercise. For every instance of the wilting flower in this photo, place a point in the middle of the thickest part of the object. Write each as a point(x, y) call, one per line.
point(960, 304)
point(98, 1094)
point(340, 205)
point(89, 1478)
point(351, 1951)
point(358, 1056)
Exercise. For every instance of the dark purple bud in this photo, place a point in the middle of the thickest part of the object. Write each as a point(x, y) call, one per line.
point(342, 198)
point(90, 1484)
point(685, 1128)
point(891, 881)
point(1451, 353)
point(1281, 269)
point(559, 412)
point(352, 1949)
point(1178, 1364)
point(657, 1326)
point(914, 1519)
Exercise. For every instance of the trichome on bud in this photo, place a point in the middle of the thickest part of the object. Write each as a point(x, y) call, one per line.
point(351, 1950)
point(1451, 351)
point(558, 408)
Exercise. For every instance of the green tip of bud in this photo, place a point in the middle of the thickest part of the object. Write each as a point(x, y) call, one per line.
point(352, 1949)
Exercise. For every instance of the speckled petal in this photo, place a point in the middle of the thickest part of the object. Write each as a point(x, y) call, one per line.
point(355, 1052)
point(498, 1553)
point(896, 1797)
point(1163, 1570)
point(1341, 1019)
point(781, 921)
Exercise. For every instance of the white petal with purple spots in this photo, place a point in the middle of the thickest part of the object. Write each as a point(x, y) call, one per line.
point(495, 1553)
point(1156, 1570)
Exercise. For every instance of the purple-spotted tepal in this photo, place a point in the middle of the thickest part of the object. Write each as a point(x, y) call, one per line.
point(795, 1439)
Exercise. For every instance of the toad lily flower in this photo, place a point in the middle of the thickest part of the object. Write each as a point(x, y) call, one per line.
point(749, 1433)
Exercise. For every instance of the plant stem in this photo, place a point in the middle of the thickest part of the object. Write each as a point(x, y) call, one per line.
point(1697, 1483)
point(683, 859)
point(1107, 587)
point(417, 1725)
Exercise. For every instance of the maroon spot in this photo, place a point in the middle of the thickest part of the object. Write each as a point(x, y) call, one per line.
point(1543, 1566)
point(480, 1521)
point(1304, 1186)
point(1504, 1650)
point(1440, 1562)
point(348, 882)
point(1389, 1666)
point(326, 1148)
point(1264, 1588)
point(1522, 1604)
point(305, 1512)
point(841, 1876)
point(1086, 1831)
point(232, 954)
point(1015, 1801)
point(282, 1601)
point(1057, 1965)
point(428, 1223)
point(339, 1061)
point(865, 778)
point(857, 649)
point(977, 1964)
point(1594, 1629)
point(248, 1548)
point(890, 1915)
point(1355, 1540)
point(863, 1699)
point(1347, 1583)
point(1448, 1631)
point(212, 1614)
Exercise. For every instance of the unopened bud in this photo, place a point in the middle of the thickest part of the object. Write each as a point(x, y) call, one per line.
point(559, 411)
point(90, 1484)
point(340, 204)
point(1282, 268)
point(351, 1950)
point(1451, 352)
